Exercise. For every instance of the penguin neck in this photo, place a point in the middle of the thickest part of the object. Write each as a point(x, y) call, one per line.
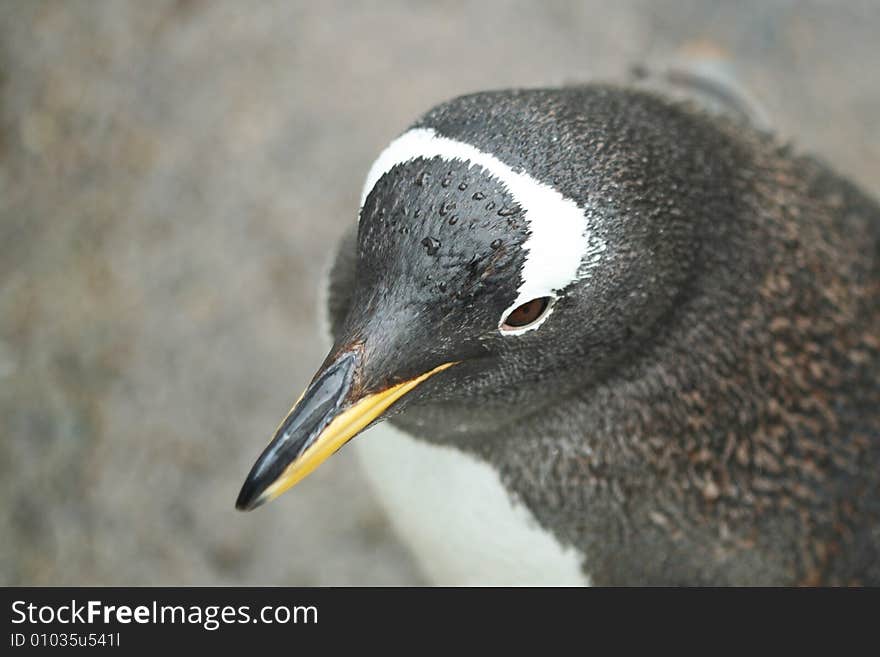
point(574, 405)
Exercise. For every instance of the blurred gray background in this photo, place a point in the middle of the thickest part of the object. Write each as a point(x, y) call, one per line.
point(173, 178)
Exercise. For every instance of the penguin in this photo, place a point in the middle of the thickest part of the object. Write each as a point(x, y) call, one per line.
point(612, 339)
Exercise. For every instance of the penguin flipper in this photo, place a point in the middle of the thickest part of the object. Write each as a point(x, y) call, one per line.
point(710, 83)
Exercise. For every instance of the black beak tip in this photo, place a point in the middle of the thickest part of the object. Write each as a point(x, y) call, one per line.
point(317, 406)
point(250, 497)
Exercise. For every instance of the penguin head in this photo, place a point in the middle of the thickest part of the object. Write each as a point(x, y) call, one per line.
point(503, 255)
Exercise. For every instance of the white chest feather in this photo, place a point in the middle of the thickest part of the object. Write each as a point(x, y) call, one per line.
point(461, 523)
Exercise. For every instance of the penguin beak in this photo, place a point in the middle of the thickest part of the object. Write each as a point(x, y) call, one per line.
point(328, 414)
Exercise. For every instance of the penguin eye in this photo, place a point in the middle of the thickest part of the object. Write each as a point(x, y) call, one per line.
point(525, 314)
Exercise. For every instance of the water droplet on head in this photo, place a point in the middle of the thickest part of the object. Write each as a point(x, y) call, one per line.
point(423, 179)
point(479, 196)
point(442, 286)
point(496, 243)
point(453, 220)
point(446, 207)
point(417, 213)
point(508, 210)
point(446, 182)
point(431, 245)
point(490, 205)
point(463, 186)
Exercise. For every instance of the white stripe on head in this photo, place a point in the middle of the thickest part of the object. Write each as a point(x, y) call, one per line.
point(558, 242)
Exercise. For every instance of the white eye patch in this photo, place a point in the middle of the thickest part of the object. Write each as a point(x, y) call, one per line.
point(558, 250)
